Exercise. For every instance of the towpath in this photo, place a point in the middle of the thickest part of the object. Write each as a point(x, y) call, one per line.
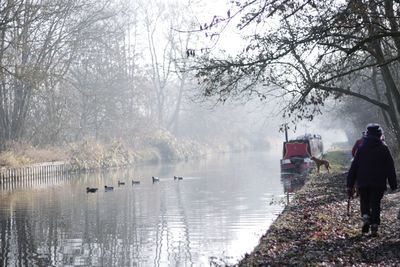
point(315, 230)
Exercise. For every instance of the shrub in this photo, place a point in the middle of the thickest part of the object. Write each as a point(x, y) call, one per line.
point(10, 159)
point(87, 154)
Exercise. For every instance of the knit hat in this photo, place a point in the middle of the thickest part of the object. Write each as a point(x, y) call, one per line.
point(374, 129)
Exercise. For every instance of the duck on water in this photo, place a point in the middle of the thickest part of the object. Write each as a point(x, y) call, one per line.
point(91, 190)
point(108, 188)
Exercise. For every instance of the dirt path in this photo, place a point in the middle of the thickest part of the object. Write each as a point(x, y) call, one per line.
point(315, 230)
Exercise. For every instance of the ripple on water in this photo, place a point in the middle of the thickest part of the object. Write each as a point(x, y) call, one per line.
point(216, 213)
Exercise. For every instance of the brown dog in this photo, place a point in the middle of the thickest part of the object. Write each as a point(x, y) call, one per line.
point(321, 162)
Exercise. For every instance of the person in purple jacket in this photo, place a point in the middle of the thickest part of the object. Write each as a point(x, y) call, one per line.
point(371, 168)
point(358, 144)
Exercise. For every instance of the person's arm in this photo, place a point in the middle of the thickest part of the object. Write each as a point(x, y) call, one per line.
point(354, 149)
point(391, 172)
point(351, 176)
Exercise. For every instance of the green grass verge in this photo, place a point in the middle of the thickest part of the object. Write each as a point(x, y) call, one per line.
point(339, 160)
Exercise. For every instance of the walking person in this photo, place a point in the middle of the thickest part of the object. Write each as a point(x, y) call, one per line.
point(371, 168)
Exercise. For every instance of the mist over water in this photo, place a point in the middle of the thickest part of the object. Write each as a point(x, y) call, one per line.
point(217, 213)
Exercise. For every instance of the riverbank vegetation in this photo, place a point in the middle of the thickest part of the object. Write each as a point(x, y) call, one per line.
point(339, 160)
point(93, 154)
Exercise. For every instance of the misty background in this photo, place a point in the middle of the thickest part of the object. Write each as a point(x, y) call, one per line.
point(118, 70)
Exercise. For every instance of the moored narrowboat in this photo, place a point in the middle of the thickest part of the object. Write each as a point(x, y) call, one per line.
point(297, 153)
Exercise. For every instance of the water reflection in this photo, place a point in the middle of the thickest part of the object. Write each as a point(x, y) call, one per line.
point(215, 214)
point(292, 181)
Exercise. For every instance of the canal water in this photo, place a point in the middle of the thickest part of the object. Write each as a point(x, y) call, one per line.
point(213, 216)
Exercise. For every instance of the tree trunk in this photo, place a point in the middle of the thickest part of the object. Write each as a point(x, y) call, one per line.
point(389, 116)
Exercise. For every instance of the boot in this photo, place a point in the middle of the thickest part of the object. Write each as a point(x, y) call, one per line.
point(374, 230)
point(365, 226)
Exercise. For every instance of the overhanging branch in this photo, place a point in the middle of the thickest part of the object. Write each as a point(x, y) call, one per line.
point(351, 93)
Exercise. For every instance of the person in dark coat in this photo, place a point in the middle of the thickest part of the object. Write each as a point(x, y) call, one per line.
point(371, 168)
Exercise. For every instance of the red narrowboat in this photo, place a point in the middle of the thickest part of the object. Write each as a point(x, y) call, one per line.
point(297, 153)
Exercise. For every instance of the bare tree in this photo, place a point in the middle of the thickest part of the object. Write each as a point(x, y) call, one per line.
point(308, 51)
point(39, 42)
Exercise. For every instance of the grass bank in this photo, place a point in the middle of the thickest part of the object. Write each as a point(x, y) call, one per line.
point(315, 229)
point(339, 160)
point(160, 146)
point(92, 154)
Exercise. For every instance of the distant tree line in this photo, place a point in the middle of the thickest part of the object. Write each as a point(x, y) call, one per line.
point(72, 70)
point(75, 69)
point(305, 53)
point(44, 46)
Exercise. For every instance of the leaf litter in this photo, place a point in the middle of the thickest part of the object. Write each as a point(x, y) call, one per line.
point(315, 230)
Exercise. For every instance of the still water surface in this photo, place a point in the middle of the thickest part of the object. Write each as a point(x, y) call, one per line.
point(213, 216)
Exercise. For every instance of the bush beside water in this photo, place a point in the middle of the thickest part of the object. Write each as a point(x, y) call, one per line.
point(91, 154)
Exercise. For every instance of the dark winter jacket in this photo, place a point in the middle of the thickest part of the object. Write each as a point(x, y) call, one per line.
point(372, 166)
